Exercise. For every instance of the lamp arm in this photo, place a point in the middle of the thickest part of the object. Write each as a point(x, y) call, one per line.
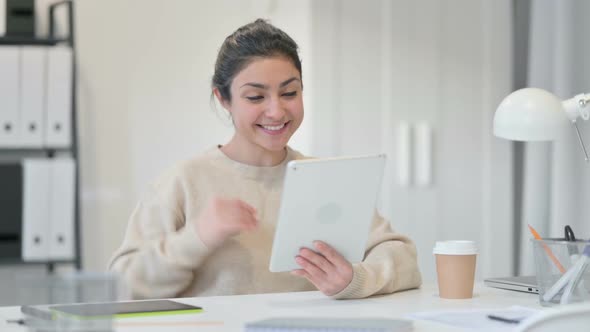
point(576, 107)
point(581, 142)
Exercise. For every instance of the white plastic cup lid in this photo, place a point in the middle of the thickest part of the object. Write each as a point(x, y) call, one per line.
point(455, 248)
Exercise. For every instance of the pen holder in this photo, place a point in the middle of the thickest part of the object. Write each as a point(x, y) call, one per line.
point(562, 271)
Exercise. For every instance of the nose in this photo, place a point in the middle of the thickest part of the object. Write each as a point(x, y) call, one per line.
point(275, 109)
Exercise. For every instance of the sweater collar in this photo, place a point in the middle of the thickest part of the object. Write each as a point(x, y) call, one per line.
point(254, 172)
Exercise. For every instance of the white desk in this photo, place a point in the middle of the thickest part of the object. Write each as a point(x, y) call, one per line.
point(229, 313)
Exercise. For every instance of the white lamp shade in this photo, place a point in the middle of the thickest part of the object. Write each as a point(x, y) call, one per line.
point(530, 115)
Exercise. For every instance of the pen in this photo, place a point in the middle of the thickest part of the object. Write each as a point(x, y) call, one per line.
point(576, 277)
point(547, 250)
point(569, 233)
point(505, 320)
point(570, 237)
point(560, 284)
point(577, 283)
point(16, 321)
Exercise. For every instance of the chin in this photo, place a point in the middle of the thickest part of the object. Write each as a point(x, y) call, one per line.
point(274, 147)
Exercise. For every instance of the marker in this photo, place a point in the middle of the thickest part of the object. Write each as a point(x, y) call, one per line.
point(505, 320)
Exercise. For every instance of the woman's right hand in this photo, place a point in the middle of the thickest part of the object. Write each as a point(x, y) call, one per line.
point(223, 218)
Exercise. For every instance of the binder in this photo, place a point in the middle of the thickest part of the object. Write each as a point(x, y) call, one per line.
point(32, 95)
point(2, 18)
point(58, 124)
point(61, 209)
point(9, 83)
point(35, 224)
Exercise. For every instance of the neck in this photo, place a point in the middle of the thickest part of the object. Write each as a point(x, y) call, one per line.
point(253, 155)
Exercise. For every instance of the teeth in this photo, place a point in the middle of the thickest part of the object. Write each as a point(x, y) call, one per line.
point(279, 127)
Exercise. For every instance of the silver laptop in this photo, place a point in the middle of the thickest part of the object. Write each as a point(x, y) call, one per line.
point(527, 284)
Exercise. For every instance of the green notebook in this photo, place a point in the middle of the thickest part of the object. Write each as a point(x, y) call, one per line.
point(111, 309)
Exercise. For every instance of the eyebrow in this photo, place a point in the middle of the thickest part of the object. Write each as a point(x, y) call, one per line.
point(262, 86)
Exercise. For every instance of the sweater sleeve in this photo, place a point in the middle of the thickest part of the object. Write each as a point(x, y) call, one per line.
point(160, 250)
point(390, 264)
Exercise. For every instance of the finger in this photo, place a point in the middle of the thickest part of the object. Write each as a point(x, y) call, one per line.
point(330, 254)
point(247, 214)
point(304, 274)
point(320, 282)
point(314, 271)
point(249, 222)
point(238, 208)
point(249, 218)
point(242, 222)
point(317, 259)
point(248, 207)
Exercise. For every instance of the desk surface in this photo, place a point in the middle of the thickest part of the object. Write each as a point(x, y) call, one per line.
point(229, 313)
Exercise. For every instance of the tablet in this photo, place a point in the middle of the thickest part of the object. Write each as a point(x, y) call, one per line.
point(116, 309)
point(332, 200)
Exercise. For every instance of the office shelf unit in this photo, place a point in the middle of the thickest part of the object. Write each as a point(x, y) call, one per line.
point(19, 161)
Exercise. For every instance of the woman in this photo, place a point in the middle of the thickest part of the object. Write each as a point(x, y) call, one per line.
point(207, 225)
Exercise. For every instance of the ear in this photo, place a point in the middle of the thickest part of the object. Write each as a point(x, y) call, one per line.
point(221, 100)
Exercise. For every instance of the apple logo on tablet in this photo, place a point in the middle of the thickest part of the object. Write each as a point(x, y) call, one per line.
point(328, 213)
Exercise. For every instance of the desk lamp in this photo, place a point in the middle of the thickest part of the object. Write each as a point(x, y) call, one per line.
point(533, 114)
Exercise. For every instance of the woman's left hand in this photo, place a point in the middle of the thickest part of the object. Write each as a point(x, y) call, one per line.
point(329, 271)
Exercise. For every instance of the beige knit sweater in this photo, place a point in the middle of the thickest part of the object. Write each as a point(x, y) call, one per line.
point(161, 258)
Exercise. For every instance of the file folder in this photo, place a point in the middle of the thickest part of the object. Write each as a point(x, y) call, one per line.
point(9, 83)
point(2, 18)
point(61, 209)
point(35, 224)
point(59, 97)
point(32, 95)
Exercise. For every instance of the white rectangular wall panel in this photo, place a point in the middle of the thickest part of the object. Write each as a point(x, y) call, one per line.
point(423, 154)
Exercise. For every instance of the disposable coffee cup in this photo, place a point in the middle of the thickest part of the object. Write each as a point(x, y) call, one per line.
point(455, 268)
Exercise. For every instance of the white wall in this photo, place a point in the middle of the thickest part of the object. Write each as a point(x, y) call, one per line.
point(144, 97)
point(445, 64)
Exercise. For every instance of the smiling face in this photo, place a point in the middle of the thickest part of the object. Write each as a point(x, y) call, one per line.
point(266, 108)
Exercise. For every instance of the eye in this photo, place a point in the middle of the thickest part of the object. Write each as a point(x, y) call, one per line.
point(290, 94)
point(255, 98)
